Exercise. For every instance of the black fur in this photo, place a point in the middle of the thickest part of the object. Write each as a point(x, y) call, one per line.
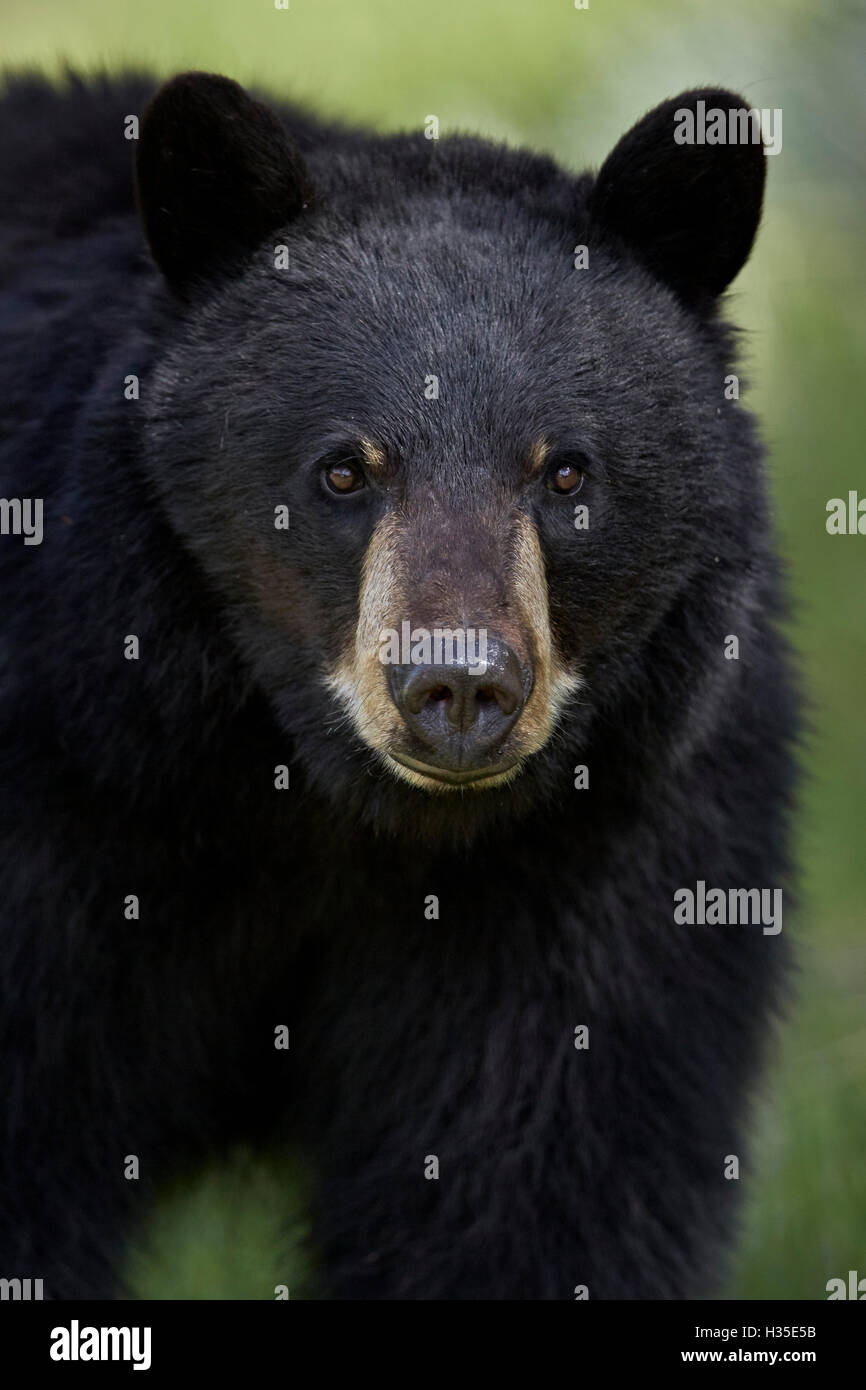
point(409, 1037)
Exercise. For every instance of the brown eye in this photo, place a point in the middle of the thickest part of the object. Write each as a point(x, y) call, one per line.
point(343, 477)
point(566, 479)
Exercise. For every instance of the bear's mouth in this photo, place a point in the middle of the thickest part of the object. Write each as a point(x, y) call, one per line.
point(445, 777)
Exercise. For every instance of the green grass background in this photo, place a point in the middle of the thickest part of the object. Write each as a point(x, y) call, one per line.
point(570, 82)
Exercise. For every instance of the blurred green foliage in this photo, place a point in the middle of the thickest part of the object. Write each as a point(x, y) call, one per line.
point(570, 82)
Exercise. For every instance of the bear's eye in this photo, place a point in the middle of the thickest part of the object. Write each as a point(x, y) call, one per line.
point(566, 478)
point(343, 476)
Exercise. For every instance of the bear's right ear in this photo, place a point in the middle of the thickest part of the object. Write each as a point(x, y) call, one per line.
point(215, 173)
point(687, 206)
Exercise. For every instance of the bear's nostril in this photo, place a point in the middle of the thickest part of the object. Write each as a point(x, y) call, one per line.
point(418, 690)
point(498, 695)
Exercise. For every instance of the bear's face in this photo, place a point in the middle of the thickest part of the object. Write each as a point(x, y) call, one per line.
point(442, 477)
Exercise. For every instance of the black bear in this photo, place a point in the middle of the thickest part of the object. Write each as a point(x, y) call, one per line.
point(398, 731)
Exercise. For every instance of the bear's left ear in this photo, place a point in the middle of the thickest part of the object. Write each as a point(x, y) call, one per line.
point(215, 173)
point(687, 206)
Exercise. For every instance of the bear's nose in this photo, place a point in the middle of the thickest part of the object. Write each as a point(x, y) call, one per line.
point(460, 710)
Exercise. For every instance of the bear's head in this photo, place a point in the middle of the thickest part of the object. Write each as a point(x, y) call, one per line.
point(447, 429)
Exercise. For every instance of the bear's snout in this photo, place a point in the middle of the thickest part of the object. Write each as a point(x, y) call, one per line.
point(460, 708)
